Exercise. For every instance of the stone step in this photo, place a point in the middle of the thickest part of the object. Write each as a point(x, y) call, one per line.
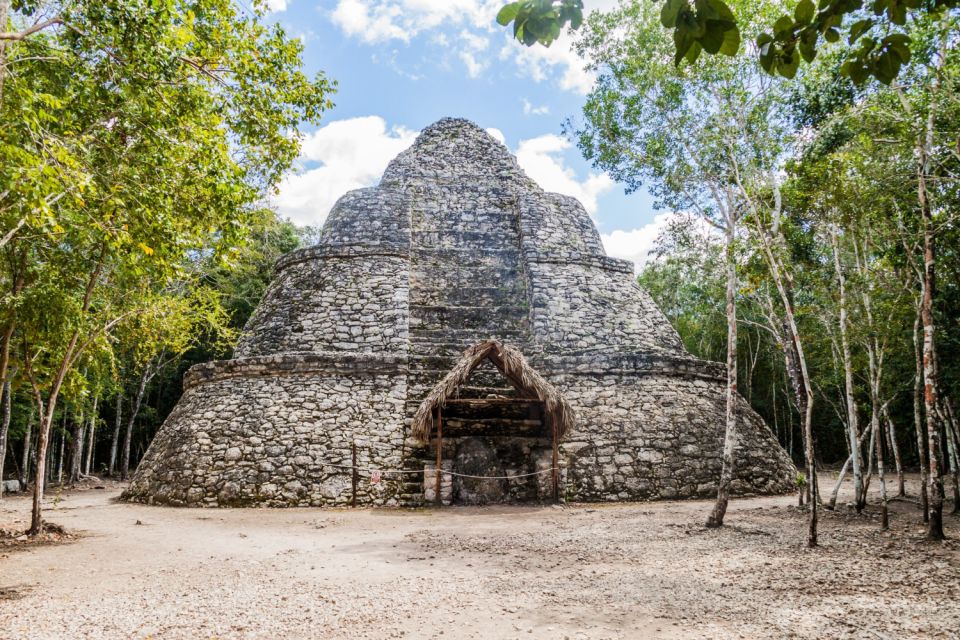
point(516, 335)
point(478, 318)
point(456, 273)
point(464, 295)
point(439, 241)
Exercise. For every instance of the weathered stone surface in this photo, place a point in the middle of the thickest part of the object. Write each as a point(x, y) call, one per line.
point(454, 246)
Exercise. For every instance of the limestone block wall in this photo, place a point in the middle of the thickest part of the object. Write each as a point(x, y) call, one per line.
point(322, 301)
point(594, 304)
point(557, 226)
point(661, 436)
point(368, 217)
point(466, 277)
point(267, 431)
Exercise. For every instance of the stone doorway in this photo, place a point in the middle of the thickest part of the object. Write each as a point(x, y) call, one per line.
point(493, 425)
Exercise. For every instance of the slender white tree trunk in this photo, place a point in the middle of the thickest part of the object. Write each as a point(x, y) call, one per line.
point(27, 448)
point(851, 402)
point(76, 447)
point(780, 280)
point(128, 435)
point(115, 441)
point(843, 473)
point(875, 371)
point(63, 448)
point(730, 431)
point(88, 462)
point(895, 448)
point(5, 400)
point(918, 414)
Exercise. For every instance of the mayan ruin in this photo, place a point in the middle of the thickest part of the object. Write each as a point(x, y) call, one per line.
point(456, 246)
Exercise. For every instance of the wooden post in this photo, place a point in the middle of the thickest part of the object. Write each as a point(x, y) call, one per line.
point(353, 479)
point(439, 485)
point(556, 462)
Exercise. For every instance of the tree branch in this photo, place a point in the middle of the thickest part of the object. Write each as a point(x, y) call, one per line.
point(21, 35)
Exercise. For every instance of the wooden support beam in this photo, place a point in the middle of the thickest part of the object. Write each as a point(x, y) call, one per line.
point(353, 478)
point(438, 497)
point(492, 401)
point(556, 462)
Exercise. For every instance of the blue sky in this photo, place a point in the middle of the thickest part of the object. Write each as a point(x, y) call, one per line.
point(403, 64)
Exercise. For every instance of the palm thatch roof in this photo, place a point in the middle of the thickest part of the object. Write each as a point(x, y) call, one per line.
point(515, 368)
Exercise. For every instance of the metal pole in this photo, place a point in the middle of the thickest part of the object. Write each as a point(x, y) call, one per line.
point(439, 457)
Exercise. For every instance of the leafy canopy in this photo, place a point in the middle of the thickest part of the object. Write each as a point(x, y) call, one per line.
point(875, 27)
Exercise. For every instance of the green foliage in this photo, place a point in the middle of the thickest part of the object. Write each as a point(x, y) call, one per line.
point(541, 20)
point(707, 25)
point(143, 137)
point(685, 278)
point(683, 133)
point(710, 25)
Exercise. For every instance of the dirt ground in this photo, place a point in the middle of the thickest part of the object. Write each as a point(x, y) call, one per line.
point(641, 570)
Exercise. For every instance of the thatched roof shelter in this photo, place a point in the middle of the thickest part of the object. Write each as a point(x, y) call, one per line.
point(511, 363)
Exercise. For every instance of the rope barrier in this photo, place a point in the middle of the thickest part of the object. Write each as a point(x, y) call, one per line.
point(449, 473)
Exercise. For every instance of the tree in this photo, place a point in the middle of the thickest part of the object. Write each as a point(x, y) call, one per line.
point(170, 122)
point(711, 26)
point(706, 142)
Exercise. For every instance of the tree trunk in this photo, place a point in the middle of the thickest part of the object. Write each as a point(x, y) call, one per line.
point(860, 498)
point(91, 440)
point(836, 487)
point(43, 438)
point(930, 394)
point(730, 433)
point(144, 379)
point(63, 447)
point(843, 472)
point(871, 452)
point(5, 400)
point(878, 441)
point(115, 442)
point(918, 415)
point(76, 448)
point(805, 400)
point(27, 447)
point(895, 448)
point(875, 371)
point(925, 146)
point(954, 471)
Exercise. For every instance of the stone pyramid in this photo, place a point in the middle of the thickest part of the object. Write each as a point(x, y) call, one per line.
point(456, 245)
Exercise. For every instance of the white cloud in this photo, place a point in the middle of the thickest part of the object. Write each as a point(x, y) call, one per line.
point(636, 244)
point(530, 110)
point(471, 46)
point(539, 158)
point(274, 6)
point(381, 21)
point(352, 154)
point(558, 62)
point(497, 135)
point(541, 63)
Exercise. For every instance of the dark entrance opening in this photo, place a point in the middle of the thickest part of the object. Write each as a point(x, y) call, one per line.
point(494, 425)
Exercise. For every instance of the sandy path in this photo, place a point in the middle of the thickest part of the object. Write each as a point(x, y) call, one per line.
point(611, 571)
